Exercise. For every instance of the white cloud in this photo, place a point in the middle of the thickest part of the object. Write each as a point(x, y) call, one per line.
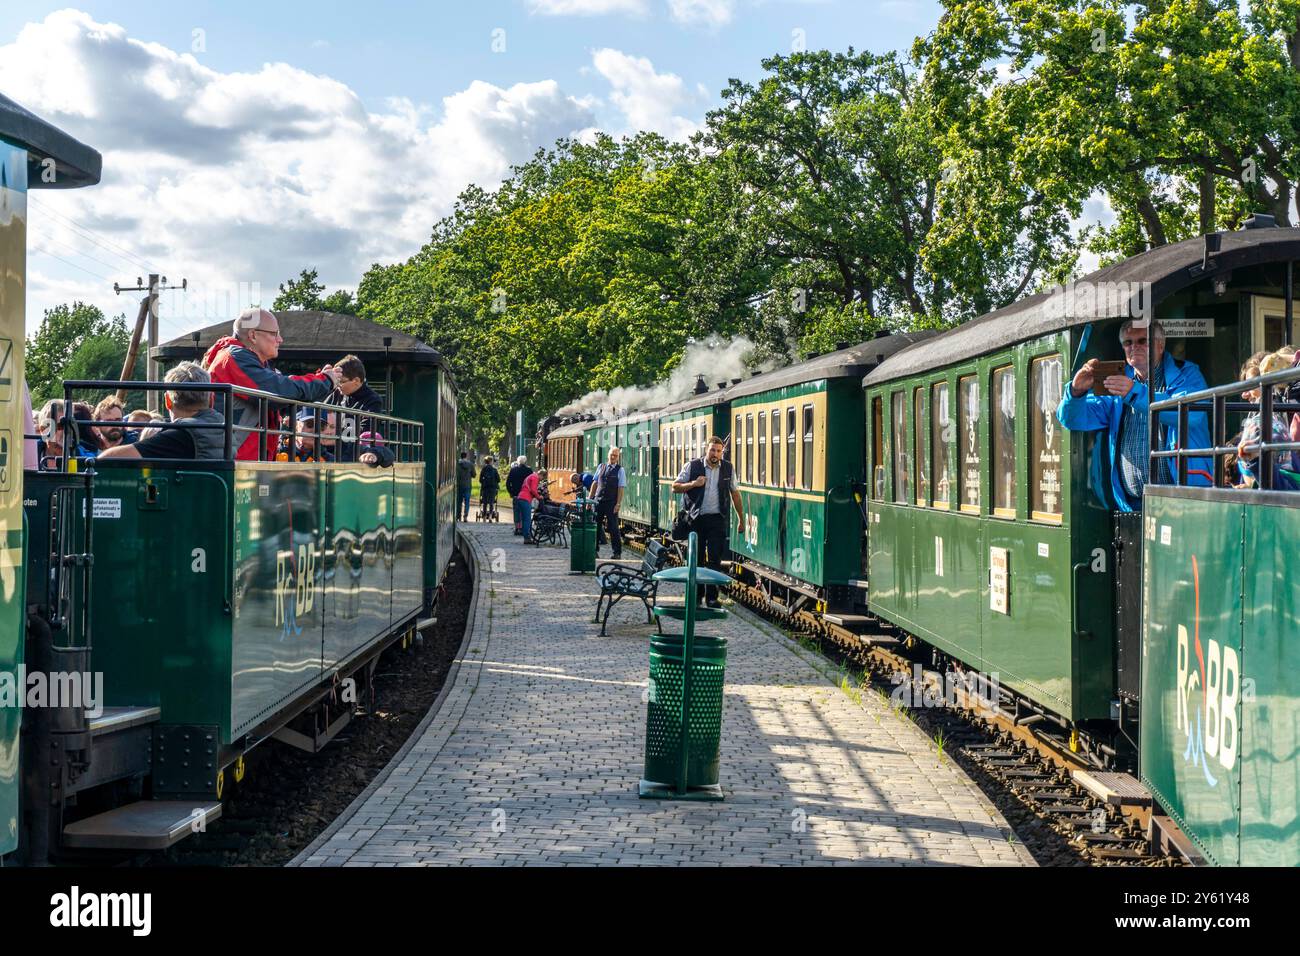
point(713, 13)
point(230, 178)
point(585, 8)
point(648, 100)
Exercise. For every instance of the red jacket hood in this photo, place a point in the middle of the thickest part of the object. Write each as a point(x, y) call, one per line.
point(218, 347)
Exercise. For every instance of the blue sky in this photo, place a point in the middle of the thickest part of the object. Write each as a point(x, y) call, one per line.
point(241, 153)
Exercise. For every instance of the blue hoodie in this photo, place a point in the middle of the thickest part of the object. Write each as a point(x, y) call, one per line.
point(1090, 412)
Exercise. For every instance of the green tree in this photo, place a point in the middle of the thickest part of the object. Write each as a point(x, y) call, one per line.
point(100, 358)
point(1183, 113)
point(571, 276)
point(68, 331)
point(305, 293)
point(835, 164)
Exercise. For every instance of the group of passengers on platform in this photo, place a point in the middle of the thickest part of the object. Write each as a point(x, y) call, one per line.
point(53, 430)
point(1121, 410)
point(241, 359)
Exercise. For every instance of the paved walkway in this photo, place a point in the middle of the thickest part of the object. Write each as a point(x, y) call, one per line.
point(534, 752)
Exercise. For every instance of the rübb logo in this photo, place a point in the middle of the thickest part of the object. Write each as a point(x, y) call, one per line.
point(1208, 687)
point(295, 587)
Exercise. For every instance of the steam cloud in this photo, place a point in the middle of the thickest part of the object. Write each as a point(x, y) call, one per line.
point(716, 358)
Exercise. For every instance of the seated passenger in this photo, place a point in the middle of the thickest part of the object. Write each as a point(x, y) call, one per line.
point(307, 445)
point(372, 451)
point(111, 409)
point(186, 408)
point(1122, 413)
point(143, 418)
point(1285, 477)
point(52, 427)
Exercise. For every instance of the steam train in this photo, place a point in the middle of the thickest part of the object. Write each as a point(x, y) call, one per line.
point(176, 614)
point(924, 482)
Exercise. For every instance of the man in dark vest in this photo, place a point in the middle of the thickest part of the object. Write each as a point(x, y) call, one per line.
point(610, 483)
point(188, 407)
point(709, 484)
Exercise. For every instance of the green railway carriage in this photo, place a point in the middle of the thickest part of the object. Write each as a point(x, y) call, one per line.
point(194, 609)
point(798, 453)
point(682, 431)
point(33, 155)
point(284, 575)
point(635, 435)
point(1220, 685)
point(992, 535)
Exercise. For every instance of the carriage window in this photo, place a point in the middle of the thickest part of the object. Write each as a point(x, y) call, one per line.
point(776, 448)
point(692, 451)
point(807, 447)
point(735, 444)
point(968, 447)
point(898, 422)
point(762, 448)
point(789, 448)
point(749, 448)
point(1045, 439)
point(1004, 441)
point(920, 450)
point(939, 432)
point(877, 450)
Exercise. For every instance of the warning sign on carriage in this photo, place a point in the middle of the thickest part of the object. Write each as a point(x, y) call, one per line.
point(105, 508)
point(1188, 328)
point(999, 580)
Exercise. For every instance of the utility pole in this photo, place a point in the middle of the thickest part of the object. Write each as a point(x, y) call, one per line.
point(148, 311)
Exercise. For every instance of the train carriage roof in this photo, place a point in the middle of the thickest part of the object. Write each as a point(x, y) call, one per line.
point(75, 163)
point(311, 336)
point(714, 397)
point(852, 362)
point(1168, 269)
point(574, 429)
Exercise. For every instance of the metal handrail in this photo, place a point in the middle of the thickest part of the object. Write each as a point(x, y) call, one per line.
point(407, 444)
point(1214, 402)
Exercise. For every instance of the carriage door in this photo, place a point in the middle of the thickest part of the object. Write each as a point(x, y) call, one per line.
point(1128, 604)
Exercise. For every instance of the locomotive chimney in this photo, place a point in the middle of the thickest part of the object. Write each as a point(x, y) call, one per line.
point(700, 385)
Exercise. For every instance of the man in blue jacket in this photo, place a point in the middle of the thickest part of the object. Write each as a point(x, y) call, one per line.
point(1123, 413)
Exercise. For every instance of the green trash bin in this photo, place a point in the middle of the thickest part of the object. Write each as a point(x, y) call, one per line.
point(582, 543)
point(663, 719)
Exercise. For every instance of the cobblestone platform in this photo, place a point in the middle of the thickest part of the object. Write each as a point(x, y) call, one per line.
point(534, 751)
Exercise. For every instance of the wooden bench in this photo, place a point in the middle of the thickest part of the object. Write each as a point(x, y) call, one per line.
point(618, 581)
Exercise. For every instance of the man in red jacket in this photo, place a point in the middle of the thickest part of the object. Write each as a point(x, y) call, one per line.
point(242, 360)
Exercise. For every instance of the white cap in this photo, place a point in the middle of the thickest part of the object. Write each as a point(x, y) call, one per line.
point(253, 318)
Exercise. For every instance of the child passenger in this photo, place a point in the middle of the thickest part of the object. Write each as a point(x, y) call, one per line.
point(1285, 476)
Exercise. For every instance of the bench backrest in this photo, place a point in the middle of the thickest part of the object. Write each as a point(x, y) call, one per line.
point(655, 556)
